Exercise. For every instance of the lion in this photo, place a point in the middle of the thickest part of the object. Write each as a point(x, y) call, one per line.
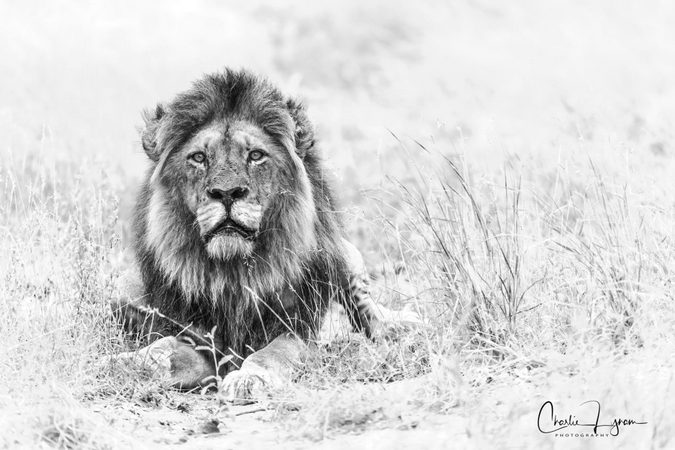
point(238, 239)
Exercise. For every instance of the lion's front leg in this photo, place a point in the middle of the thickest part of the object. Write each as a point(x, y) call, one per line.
point(266, 370)
point(175, 360)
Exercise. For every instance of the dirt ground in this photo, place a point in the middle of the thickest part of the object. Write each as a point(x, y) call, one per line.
point(501, 413)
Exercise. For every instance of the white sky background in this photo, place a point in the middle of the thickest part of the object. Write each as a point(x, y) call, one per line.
point(525, 77)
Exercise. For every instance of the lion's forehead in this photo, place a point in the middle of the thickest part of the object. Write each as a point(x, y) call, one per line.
point(239, 134)
point(247, 135)
point(208, 136)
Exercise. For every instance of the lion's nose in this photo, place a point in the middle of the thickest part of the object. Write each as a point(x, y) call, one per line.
point(228, 195)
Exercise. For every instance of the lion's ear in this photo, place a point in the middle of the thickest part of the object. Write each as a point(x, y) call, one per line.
point(304, 130)
point(149, 134)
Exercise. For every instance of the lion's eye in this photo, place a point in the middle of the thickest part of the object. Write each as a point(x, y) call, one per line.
point(256, 155)
point(198, 157)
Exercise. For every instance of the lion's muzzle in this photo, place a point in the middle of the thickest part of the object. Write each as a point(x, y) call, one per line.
point(243, 219)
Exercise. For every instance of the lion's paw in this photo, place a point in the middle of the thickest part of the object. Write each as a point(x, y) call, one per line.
point(247, 385)
point(155, 358)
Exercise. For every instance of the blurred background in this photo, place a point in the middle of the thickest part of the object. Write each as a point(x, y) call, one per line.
point(543, 84)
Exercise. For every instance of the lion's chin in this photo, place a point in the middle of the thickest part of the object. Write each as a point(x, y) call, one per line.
point(228, 246)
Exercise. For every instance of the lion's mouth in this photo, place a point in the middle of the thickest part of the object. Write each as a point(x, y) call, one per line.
point(229, 226)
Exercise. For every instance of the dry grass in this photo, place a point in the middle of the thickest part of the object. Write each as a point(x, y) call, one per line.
point(512, 266)
point(512, 283)
point(515, 287)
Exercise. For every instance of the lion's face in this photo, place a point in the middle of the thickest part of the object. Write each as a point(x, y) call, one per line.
point(232, 191)
point(228, 175)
